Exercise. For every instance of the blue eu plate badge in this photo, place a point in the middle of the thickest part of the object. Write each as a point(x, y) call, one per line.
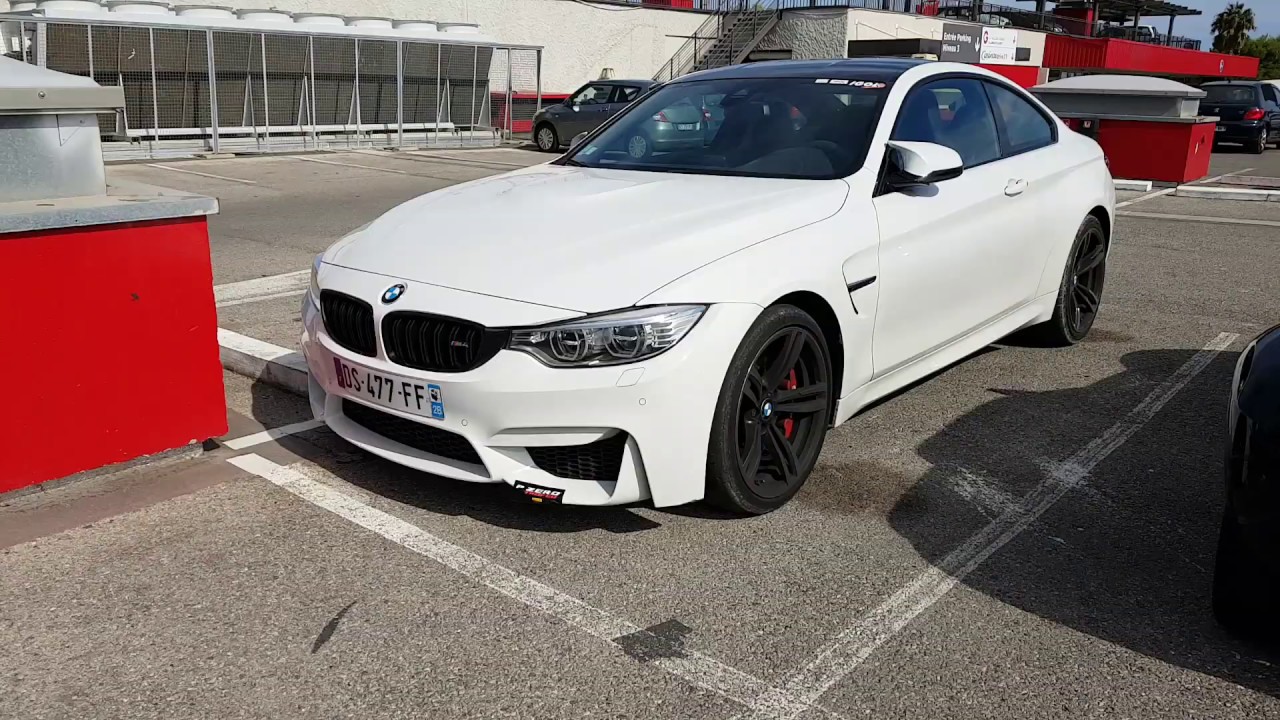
point(437, 401)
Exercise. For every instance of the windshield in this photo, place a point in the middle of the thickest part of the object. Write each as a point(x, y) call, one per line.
point(1227, 94)
point(775, 127)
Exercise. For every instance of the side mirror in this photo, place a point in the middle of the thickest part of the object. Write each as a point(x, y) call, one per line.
point(577, 139)
point(913, 164)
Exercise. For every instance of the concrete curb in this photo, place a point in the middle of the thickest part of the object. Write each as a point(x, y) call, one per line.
point(1138, 185)
point(263, 361)
point(1215, 193)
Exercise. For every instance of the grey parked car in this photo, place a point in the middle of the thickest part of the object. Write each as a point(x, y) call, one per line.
point(678, 127)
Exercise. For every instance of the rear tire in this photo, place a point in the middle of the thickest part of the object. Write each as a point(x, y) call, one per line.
point(1259, 146)
point(546, 138)
point(1080, 292)
point(639, 146)
point(772, 415)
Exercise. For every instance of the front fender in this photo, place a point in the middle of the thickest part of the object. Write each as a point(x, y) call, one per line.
point(812, 259)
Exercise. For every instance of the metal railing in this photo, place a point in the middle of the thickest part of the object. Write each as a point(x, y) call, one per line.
point(688, 55)
point(1144, 35)
point(195, 90)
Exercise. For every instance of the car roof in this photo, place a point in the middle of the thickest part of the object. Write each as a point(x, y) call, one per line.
point(1233, 82)
point(875, 69)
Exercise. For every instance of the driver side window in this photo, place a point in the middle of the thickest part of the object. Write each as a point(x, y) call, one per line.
point(953, 112)
point(592, 95)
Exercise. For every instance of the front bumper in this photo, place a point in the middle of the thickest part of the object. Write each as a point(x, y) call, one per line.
point(513, 402)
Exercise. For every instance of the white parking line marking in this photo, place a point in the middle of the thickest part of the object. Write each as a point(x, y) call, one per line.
point(856, 643)
point(1216, 178)
point(263, 288)
point(1148, 196)
point(472, 160)
point(695, 668)
point(270, 434)
point(1201, 218)
point(353, 165)
point(170, 168)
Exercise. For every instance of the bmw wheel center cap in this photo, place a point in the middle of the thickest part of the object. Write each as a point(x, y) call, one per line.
point(392, 294)
point(767, 409)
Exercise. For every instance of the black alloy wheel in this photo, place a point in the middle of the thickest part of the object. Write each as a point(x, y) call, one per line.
point(774, 412)
point(1087, 274)
point(1080, 292)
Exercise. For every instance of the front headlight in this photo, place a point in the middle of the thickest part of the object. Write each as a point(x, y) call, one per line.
point(612, 339)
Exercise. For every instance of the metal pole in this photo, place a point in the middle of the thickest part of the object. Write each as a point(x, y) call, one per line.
point(475, 70)
point(42, 45)
point(213, 90)
point(507, 109)
point(355, 89)
point(311, 58)
point(537, 68)
point(266, 95)
point(435, 135)
point(88, 33)
point(1168, 39)
point(399, 94)
point(155, 102)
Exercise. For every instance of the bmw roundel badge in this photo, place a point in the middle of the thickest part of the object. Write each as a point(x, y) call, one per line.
point(392, 294)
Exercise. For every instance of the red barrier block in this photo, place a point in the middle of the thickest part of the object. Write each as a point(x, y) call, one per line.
point(108, 346)
point(1160, 151)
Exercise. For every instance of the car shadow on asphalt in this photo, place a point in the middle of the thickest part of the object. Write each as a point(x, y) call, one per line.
point(1128, 556)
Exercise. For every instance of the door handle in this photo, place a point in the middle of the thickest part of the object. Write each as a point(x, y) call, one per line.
point(1015, 187)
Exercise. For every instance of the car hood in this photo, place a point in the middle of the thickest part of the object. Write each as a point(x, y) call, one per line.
point(580, 239)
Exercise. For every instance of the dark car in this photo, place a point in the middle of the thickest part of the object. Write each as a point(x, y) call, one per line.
point(684, 125)
point(1248, 112)
point(1246, 581)
point(583, 111)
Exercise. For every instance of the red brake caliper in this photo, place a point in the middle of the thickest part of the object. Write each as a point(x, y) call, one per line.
point(791, 384)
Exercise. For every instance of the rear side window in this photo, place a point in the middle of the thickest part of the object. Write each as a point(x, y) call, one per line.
point(953, 112)
point(1230, 94)
point(1270, 94)
point(1025, 128)
point(625, 93)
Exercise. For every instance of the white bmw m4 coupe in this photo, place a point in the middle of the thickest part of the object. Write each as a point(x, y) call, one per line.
point(624, 324)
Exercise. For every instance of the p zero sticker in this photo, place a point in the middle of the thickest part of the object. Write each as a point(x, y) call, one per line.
point(539, 494)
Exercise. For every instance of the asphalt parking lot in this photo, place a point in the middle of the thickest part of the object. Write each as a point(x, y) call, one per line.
point(1028, 534)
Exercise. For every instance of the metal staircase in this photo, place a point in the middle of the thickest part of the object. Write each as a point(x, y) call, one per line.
point(725, 38)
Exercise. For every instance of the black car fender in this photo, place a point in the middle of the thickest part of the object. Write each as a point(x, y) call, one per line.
point(1258, 381)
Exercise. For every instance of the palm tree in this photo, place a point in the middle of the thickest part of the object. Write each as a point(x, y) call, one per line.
point(1231, 28)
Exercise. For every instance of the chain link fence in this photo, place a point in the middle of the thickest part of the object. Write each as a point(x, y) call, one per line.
point(203, 90)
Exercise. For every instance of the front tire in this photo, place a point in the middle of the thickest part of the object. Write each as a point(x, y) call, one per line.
point(1080, 293)
point(546, 138)
point(772, 415)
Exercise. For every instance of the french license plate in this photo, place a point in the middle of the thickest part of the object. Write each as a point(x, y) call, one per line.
point(687, 126)
point(418, 398)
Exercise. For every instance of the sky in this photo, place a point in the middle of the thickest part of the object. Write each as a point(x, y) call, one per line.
point(1266, 14)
